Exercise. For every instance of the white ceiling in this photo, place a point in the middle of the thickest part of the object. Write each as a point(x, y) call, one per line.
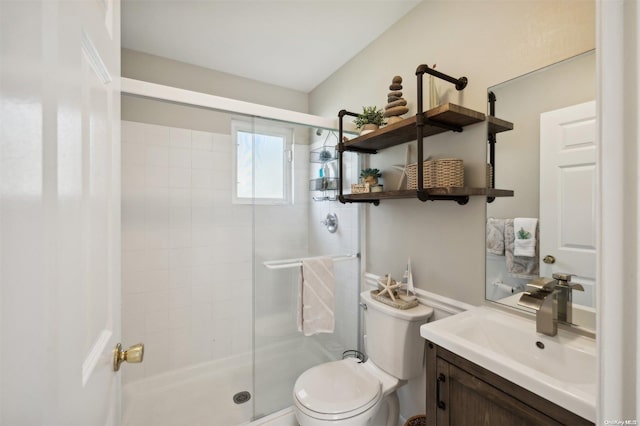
point(290, 43)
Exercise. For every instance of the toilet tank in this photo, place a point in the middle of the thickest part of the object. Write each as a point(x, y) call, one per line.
point(393, 339)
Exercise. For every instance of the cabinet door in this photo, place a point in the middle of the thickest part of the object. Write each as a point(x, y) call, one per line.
point(471, 401)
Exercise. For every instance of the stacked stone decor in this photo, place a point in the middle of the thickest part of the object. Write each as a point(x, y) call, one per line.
point(396, 104)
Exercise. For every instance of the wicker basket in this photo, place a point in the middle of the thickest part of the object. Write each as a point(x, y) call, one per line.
point(419, 420)
point(447, 172)
point(428, 180)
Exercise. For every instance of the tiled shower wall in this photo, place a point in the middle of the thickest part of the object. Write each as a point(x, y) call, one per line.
point(186, 250)
point(188, 253)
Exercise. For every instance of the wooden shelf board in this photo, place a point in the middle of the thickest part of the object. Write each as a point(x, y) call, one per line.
point(497, 125)
point(382, 195)
point(492, 192)
point(445, 191)
point(405, 130)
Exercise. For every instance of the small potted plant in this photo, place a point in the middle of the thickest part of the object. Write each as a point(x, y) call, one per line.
point(370, 176)
point(369, 120)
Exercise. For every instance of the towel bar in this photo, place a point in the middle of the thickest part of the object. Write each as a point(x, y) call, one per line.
point(293, 263)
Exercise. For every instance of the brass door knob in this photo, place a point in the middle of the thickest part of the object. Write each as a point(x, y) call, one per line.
point(548, 259)
point(134, 354)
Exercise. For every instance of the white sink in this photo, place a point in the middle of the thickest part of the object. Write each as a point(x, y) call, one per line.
point(563, 371)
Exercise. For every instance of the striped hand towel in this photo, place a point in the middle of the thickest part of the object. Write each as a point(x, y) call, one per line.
point(316, 299)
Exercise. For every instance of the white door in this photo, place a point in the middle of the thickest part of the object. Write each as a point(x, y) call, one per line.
point(567, 195)
point(60, 211)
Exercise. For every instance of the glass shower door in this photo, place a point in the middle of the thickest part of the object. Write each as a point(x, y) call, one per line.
point(290, 231)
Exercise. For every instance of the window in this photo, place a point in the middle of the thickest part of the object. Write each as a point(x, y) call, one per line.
point(262, 163)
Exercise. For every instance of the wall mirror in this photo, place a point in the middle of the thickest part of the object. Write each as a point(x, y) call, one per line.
point(548, 159)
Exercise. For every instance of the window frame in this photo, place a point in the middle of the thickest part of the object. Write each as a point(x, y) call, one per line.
point(270, 129)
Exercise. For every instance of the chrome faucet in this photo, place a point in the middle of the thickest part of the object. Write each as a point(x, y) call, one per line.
point(552, 301)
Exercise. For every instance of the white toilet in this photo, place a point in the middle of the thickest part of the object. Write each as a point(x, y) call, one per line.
point(350, 393)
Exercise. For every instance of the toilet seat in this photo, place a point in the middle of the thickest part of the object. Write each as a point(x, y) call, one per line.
point(337, 390)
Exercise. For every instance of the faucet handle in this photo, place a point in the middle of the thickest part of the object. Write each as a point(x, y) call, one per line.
point(564, 279)
point(562, 276)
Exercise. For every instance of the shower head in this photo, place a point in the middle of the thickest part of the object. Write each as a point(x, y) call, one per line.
point(319, 132)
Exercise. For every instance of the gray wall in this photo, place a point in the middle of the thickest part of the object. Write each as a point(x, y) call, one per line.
point(155, 69)
point(489, 42)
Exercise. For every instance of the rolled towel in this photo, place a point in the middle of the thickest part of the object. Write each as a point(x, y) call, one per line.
point(495, 236)
point(525, 236)
point(316, 302)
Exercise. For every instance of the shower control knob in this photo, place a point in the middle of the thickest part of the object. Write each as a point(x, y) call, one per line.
point(331, 222)
point(134, 354)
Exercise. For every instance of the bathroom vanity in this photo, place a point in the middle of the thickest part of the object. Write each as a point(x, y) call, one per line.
point(460, 392)
point(486, 366)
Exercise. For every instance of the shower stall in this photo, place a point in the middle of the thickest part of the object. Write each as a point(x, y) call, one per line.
point(210, 201)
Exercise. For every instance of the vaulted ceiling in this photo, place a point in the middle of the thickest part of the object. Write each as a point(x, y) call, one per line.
point(295, 44)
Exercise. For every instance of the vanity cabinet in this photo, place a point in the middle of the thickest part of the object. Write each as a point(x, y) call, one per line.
point(460, 392)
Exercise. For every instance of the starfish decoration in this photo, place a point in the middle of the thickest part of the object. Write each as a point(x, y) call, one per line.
point(389, 285)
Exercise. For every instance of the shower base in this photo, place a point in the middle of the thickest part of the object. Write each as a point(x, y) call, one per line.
point(203, 394)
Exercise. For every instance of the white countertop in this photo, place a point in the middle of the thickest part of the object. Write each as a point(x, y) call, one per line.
point(564, 372)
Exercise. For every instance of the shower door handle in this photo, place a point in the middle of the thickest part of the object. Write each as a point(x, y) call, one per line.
point(134, 355)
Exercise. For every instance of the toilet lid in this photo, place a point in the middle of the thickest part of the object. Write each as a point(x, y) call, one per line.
point(337, 387)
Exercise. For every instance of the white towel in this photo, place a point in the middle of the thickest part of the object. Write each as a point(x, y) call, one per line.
point(525, 236)
point(518, 266)
point(316, 302)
